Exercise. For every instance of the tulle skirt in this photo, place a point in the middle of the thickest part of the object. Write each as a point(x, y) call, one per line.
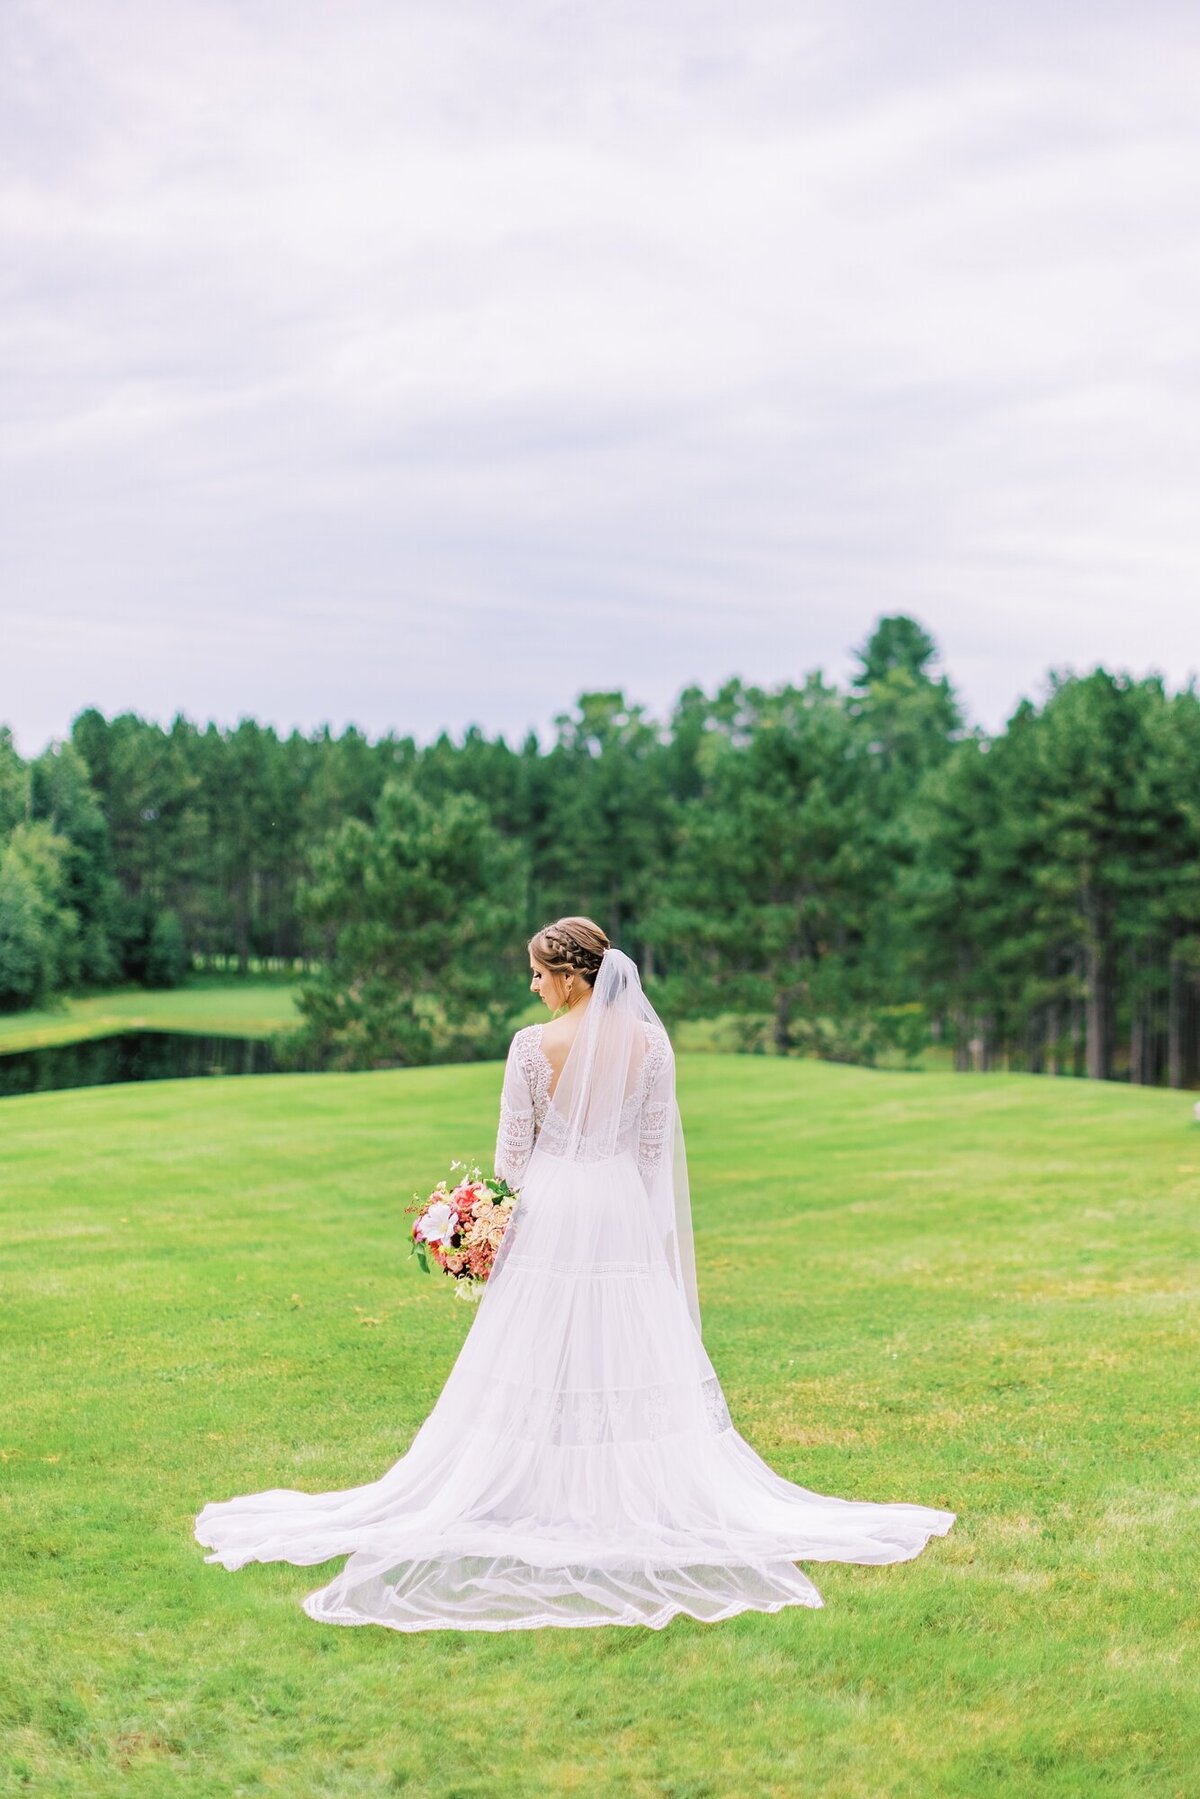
point(580, 1465)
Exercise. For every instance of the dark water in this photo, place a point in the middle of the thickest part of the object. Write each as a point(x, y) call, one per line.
point(131, 1056)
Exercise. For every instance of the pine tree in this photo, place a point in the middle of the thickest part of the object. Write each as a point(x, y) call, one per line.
point(419, 914)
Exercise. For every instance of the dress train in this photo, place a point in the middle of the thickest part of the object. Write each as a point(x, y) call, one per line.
point(579, 1467)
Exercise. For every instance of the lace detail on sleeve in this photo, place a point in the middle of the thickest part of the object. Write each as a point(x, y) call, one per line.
point(522, 1105)
point(656, 1111)
point(514, 1143)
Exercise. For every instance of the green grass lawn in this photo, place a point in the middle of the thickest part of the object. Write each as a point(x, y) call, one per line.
point(212, 1007)
point(977, 1293)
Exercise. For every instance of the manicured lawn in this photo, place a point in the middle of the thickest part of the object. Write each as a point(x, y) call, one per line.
point(970, 1292)
point(225, 1008)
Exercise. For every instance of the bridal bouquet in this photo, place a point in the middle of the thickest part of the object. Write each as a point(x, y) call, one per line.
point(459, 1228)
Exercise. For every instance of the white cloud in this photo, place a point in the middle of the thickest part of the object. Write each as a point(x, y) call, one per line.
point(424, 366)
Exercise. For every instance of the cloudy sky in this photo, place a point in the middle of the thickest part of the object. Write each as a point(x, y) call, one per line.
point(425, 364)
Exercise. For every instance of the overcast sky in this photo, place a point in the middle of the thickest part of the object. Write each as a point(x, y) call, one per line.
point(421, 365)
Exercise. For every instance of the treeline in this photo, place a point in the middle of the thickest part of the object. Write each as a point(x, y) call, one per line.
point(845, 872)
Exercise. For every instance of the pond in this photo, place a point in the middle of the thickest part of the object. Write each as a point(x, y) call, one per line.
point(131, 1056)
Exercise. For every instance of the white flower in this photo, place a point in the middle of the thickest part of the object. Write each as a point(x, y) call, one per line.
point(438, 1224)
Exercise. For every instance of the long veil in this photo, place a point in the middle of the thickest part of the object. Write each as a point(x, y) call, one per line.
point(618, 1081)
point(580, 1465)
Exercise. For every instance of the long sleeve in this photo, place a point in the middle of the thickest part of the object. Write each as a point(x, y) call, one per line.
point(514, 1138)
point(658, 1105)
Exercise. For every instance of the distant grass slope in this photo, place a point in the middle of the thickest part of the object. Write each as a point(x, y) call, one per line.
point(221, 1009)
point(976, 1293)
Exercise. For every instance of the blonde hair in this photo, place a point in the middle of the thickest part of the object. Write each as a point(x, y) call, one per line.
point(570, 943)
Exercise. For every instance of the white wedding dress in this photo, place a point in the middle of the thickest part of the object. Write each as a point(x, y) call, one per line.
point(580, 1465)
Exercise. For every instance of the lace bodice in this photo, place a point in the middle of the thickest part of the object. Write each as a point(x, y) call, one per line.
point(526, 1116)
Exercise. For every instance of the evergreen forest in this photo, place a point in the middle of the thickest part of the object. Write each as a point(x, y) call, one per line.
point(853, 872)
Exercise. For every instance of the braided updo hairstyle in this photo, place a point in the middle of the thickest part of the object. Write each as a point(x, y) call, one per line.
point(570, 944)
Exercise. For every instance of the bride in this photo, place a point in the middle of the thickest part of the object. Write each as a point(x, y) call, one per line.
point(580, 1465)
